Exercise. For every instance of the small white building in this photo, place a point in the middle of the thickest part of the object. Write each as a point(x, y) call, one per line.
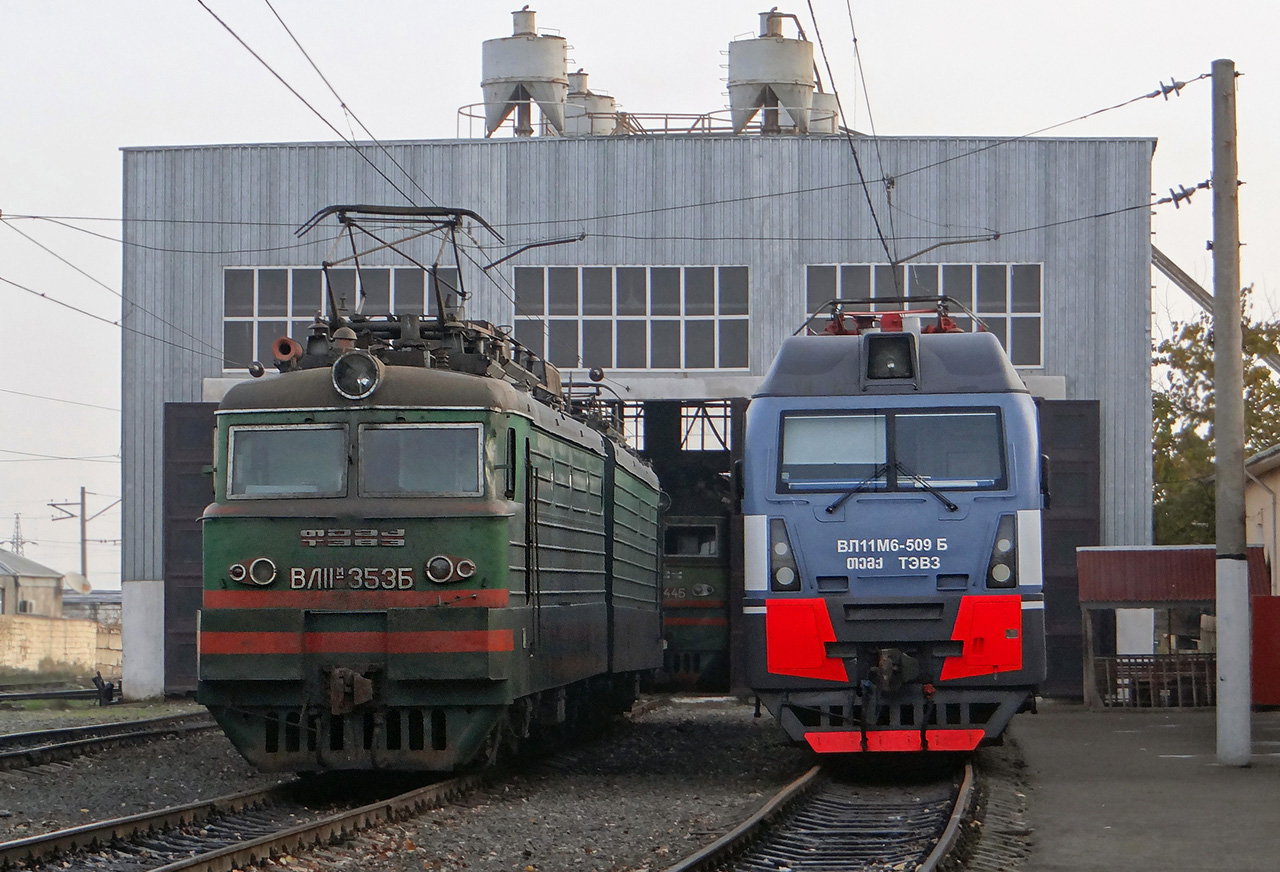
point(29, 588)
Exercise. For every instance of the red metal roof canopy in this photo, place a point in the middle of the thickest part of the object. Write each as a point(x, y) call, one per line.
point(1145, 576)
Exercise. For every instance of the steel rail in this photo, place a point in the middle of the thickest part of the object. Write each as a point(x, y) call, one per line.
point(38, 848)
point(89, 731)
point(115, 735)
point(721, 851)
point(35, 848)
point(725, 846)
point(325, 830)
point(952, 831)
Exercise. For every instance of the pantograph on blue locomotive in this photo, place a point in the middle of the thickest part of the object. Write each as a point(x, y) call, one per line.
point(892, 490)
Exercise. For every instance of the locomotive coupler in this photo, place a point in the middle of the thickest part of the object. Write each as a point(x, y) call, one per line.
point(893, 669)
point(347, 690)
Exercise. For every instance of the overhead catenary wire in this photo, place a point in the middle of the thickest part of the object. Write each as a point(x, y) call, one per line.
point(351, 143)
point(163, 250)
point(304, 101)
point(857, 163)
point(871, 121)
point(31, 455)
point(112, 290)
point(58, 400)
point(347, 109)
point(117, 324)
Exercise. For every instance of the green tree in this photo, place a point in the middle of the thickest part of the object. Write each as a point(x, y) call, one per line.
point(1182, 418)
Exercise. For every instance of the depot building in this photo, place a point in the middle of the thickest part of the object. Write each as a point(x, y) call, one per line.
point(683, 259)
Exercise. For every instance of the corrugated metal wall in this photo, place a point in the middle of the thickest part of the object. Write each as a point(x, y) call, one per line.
point(774, 204)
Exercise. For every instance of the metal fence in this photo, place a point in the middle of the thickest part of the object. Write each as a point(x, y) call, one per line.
point(1155, 680)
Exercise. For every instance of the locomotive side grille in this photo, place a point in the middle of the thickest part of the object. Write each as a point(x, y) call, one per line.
point(914, 714)
point(412, 729)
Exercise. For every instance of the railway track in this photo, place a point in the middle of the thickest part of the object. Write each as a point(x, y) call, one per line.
point(226, 833)
point(22, 750)
point(822, 821)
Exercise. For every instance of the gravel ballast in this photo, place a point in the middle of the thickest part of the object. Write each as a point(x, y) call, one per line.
point(28, 717)
point(122, 781)
point(657, 787)
point(654, 790)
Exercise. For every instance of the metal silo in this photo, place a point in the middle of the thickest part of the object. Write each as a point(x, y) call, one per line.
point(771, 73)
point(522, 69)
point(824, 113)
point(588, 114)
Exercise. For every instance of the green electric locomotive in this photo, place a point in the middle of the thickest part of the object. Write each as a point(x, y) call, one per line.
point(420, 554)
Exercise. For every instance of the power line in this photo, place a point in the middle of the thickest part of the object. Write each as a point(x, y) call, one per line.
point(58, 400)
point(117, 324)
point(313, 109)
point(92, 458)
point(1174, 87)
point(112, 218)
point(112, 290)
point(875, 219)
point(163, 250)
point(871, 121)
point(346, 109)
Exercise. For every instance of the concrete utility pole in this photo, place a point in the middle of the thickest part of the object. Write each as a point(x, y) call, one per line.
point(84, 518)
point(1234, 630)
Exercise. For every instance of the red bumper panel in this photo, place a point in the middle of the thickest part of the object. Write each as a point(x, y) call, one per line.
point(990, 628)
point(850, 741)
point(796, 636)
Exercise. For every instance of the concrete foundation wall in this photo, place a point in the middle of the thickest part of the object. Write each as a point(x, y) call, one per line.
point(32, 642)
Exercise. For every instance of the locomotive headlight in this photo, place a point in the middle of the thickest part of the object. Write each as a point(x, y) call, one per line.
point(784, 574)
point(890, 355)
point(238, 572)
point(356, 374)
point(440, 568)
point(1002, 571)
point(466, 568)
point(262, 571)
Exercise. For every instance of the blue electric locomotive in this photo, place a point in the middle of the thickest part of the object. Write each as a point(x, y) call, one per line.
point(892, 490)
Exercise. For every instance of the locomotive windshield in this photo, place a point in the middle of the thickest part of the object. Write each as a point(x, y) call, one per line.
point(955, 449)
point(293, 461)
point(417, 460)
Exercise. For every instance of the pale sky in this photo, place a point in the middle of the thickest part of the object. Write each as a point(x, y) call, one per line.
point(83, 79)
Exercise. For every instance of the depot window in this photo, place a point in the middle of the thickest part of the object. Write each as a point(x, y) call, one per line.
point(899, 450)
point(635, 317)
point(1008, 297)
point(287, 461)
point(261, 304)
point(421, 459)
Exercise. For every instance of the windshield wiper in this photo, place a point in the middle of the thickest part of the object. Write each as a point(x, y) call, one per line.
point(857, 488)
point(942, 498)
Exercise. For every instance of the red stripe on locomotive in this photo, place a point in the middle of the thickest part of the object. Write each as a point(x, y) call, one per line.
point(413, 642)
point(354, 600)
point(796, 633)
point(990, 630)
